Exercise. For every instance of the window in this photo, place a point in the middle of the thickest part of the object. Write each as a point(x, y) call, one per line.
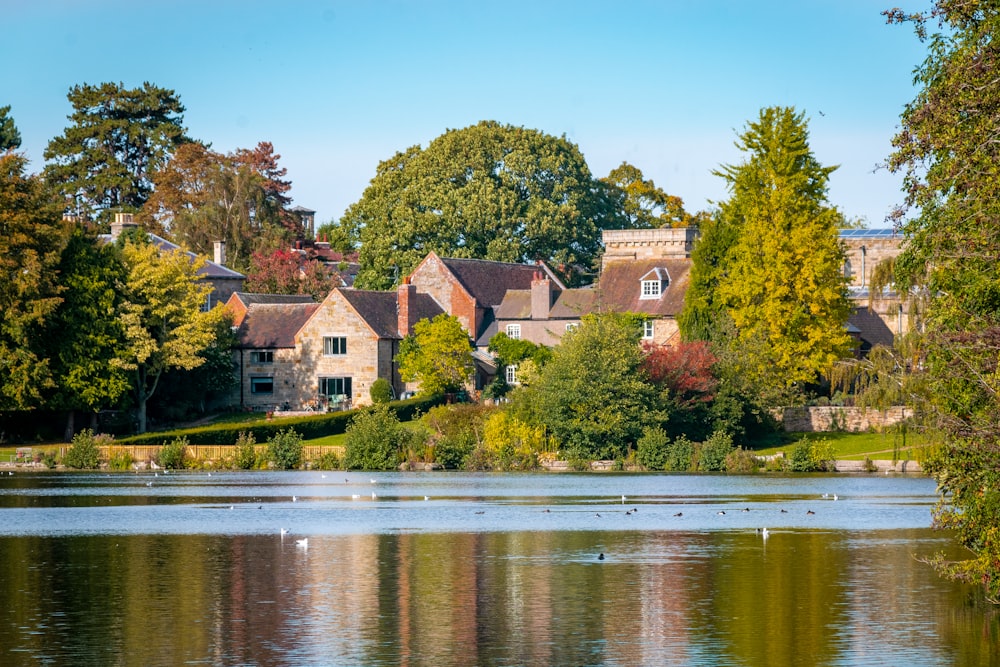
point(514, 331)
point(647, 329)
point(262, 385)
point(510, 374)
point(262, 357)
point(331, 387)
point(334, 345)
point(572, 326)
point(651, 289)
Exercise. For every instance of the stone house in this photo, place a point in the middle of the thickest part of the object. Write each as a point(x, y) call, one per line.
point(294, 354)
point(874, 320)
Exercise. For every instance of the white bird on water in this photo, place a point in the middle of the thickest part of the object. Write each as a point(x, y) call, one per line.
point(303, 543)
point(295, 499)
point(764, 533)
point(284, 531)
point(373, 495)
point(623, 500)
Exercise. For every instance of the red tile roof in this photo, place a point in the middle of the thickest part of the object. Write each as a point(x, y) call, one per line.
point(274, 325)
point(619, 287)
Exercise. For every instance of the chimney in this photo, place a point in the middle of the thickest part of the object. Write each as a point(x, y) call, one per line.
point(220, 253)
point(122, 222)
point(404, 308)
point(541, 296)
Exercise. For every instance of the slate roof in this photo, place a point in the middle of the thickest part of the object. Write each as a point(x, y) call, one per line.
point(489, 281)
point(619, 286)
point(250, 298)
point(380, 309)
point(872, 330)
point(274, 325)
point(208, 270)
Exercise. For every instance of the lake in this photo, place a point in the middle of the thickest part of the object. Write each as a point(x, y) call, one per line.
point(479, 569)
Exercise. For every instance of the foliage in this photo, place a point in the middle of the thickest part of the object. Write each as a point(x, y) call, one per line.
point(507, 444)
point(375, 440)
point(652, 448)
point(10, 138)
point(120, 460)
point(593, 395)
point(173, 454)
point(456, 430)
point(380, 391)
point(286, 272)
point(643, 205)
point(713, 452)
point(119, 138)
point(161, 313)
point(84, 452)
point(488, 191)
point(812, 456)
point(285, 449)
point(680, 455)
point(741, 462)
point(437, 355)
point(32, 237)
point(684, 370)
point(328, 460)
point(202, 197)
point(946, 152)
point(704, 316)
point(340, 238)
point(246, 451)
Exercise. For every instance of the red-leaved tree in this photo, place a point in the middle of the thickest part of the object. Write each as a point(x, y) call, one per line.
point(288, 272)
point(684, 370)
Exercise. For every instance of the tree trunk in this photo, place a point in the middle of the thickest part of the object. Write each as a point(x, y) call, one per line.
point(70, 428)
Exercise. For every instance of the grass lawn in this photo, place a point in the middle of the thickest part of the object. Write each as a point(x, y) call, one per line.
point(857, 446)
point(327, 441)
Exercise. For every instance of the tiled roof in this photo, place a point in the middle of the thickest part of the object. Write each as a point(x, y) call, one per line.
point(574, 303)
point(379, 309)
point(488, 281)
point(251, 298)
point(272, 325)
point(208, 270)
point(620, 283)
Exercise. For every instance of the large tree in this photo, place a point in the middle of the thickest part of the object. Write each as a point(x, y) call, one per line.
point(783, 284)
point(948, 152)
point(162, 316)
point(202, 196)
point(488, 191)
point(286, 272)
point(32, 236)
point(119, 138)
point(437, 355)
point(644, 205)
point(10, 138)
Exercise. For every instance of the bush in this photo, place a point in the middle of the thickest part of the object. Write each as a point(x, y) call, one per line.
point(246, 451)
point(652, 449)
point(455, 432)
point(742, 461)
point(375, 440)
point(120, 460)
point(809, 456)
point(84, 452)
point(381, 391)
point(285, 449)
point(507, 444)
point(329, 460)
point(680, 455)
point(172, 456)
point(713, 452)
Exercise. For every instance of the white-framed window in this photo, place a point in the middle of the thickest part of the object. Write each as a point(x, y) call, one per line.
point(262, 356)
point(510, 374)
point(262, 385)
point(651, 289)
point(572, 326)
point(647, 330)
point(514, 331)
point(334, 345)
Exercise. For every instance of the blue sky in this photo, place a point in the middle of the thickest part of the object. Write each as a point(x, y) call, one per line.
point(338, 86)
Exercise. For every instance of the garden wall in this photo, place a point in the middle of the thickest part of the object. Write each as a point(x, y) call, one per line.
point(839, 418)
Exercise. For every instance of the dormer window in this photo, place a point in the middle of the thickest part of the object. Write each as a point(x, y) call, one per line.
point(653, 284)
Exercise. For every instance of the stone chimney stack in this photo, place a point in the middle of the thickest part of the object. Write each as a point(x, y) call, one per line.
point(404, 308)
point(122, 222)
point(220, 253)
point(541, 296)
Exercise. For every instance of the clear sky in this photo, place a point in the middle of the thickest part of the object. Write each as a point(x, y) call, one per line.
point(338, 86)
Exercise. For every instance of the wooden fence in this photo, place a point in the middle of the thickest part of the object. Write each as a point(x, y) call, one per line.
point(205, 453)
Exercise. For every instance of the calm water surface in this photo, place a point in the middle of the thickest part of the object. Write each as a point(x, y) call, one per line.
point(464, 569)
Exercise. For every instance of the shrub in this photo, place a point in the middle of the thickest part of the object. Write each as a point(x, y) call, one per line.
point(455, 431)
point(742, 461)
point(375, 440)
point(84, 452)
point(680, 455)
point(172, 455)
point(508, 444)
point(49, 459)
point(652, 449)
point(809, 456)
point(328, 460)
point(713, 452)
point(246, 451)
point(285, 449)
point(121, 460)
point(381, 391)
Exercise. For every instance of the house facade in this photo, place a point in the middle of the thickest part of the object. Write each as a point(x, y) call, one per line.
point(877, 318)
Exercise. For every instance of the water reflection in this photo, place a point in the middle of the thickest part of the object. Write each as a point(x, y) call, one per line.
point(531, 594)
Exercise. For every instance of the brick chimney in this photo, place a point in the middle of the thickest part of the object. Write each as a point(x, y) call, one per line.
point(541, 296)
point(220, 253)
point(122, 222)
point(404, 306)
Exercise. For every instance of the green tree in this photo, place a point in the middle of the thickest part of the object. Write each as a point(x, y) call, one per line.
point(375, 439)
point(32, 237)
point(285, 449)
point(643, 205)
point(784, 285)
point(161, 313)
point(10, 138)
point(704, 316)
point(438, 355)
point(951, 166)
point(593, 395)
point(119, 138)
point(488, 191)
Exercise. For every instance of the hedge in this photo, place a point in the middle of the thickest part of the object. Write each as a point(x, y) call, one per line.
point(309, 427)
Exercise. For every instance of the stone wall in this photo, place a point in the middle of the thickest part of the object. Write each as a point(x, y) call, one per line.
point(834, 418)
